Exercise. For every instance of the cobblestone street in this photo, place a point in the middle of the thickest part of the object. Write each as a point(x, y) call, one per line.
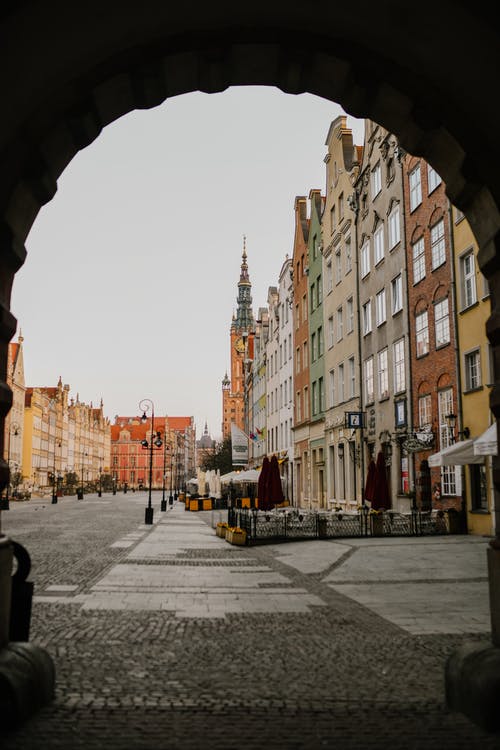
point(167, 637)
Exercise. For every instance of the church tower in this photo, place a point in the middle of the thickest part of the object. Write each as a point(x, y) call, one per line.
point(242, 349)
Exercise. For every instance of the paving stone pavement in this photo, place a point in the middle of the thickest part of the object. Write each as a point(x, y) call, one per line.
point(167, 637)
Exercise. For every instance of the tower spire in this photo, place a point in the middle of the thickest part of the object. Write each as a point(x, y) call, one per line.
point(244, 315)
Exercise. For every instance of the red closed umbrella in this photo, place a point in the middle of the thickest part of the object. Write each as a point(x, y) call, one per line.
point(381, 495)
point(275, 488)
point(370, 481)
point(263, 485)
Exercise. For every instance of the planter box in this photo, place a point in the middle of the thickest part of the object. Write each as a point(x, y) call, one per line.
point(220, 530)
point(236, 537)
point(377, 524)
point(207, 503)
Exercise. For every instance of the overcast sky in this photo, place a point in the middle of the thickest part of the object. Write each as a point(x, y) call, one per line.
point(132, 270)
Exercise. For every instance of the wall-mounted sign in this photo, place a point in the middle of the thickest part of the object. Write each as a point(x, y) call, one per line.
point(354, 420)
point(400, 412)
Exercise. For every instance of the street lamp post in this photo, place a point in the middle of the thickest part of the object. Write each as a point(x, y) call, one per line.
point(145, 405)
point(79, 494)
point(54, 477)
point(171, 497)
point(99, 494)
point(13, 430)
point(163, 498)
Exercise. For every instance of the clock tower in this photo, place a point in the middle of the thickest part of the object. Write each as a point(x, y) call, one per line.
point(242, 350)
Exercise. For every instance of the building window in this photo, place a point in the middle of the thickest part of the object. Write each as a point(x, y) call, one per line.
point(341, 207)
point(445, 406)
point(472, 370)
point(329, 277)
point(468, 280)
point(297, 360)
point(425, 411)
point(319, 290)
point(380, 309)
point(383, 375)
point(340, 324)
point(394, 227)
point(368, 380)
point(314, 398)
point(298, 407)
point(320, 341)
point(397, 294)
point(311, 296)
point(304, 308)
point(331, 329)
point(438, 248)
point(448, 473)
point(433, 178)
point(376, 180)
point(338, 266)
point(350, 315)
point(422, 333)
point(313, 347)
point(321, 386)
point(348, 255)
point(378, 244)
point(418, 261)
point(365, 258)
point(297, 316)
point(306, 403)
point(331, 377)
point(352, 377)
point(341, 384)
point(332, 219)
point(442, 323)
point(399, 366)
point(367, 317)
point(415, 188)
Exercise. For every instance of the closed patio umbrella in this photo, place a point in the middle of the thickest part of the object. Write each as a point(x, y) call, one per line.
point(263, 486)
point(370, 481)
point(275, 488)
point(381, 497)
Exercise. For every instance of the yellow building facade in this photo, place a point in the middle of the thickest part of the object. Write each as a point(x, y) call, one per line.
point(475, 369)
point(14, 421)
point(62, 436)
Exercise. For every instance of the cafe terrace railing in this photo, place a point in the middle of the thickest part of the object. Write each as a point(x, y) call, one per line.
point(299, 524)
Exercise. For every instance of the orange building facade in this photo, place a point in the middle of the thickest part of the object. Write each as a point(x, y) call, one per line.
point(173, 459)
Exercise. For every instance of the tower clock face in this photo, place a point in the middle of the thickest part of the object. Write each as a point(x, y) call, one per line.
point(239, 345)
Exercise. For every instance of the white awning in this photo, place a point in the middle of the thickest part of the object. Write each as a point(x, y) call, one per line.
point(486, 444)
point(458, 454)
point(250, 475)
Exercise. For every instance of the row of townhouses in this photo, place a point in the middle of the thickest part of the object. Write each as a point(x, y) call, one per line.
point(373, 341)
point(49, 436)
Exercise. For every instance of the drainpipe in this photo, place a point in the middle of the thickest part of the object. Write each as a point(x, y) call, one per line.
point(458, 377)
point(355, 209)
point(409, 413)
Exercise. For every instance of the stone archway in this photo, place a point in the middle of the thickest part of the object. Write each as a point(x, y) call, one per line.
point(428, 75)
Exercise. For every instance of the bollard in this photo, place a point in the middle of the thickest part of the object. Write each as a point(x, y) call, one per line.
point(6, 557)
point(21, 597)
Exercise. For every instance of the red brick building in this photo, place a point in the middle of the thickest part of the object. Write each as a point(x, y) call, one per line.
point(432, 327)
point(302, 483)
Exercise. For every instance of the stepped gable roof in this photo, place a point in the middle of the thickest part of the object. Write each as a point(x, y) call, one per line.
point(179, 423)
point(136, 431)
